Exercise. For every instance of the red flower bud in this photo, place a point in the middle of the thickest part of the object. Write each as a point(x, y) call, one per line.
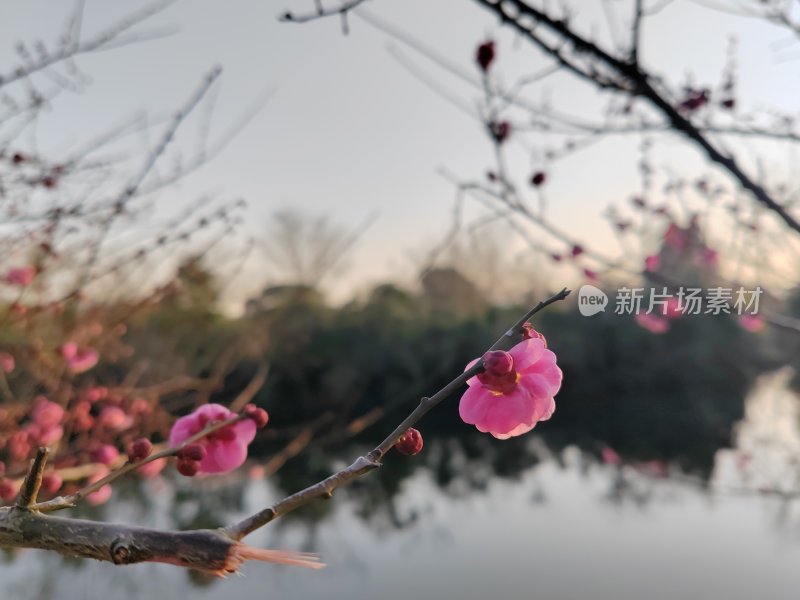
point(259, 415)
point(498, 363)
point(410, 443)
point(539, 178)
point(139, 449)
point(192, 452)
point(485, 55)
point(188, 468)
point(500, 130)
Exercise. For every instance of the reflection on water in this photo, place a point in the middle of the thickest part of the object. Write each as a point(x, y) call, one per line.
point(568, 527)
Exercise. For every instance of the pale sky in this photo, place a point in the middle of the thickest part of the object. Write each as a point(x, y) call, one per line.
point(349, 132)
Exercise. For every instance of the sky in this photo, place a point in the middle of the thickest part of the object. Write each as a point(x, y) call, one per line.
point(348, 132)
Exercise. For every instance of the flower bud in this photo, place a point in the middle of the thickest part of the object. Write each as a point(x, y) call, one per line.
point(485, 55)
point(500, 131)
point(139, 449)
point(539, 178)
point(192, 452)
point(410, 443)
point(498, 363)
point(259, 415)
point(188, 468)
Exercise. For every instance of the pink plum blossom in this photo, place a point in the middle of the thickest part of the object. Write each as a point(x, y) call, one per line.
point(102, 495)
point(653, 323)
point(44, 436)
point(514, 392)
point(7, 363)
point(152, 468)
point(114, 418)
point(46, 413)
point(22, 276)
point(652, 262)
point(105, 454)
point(610, 456)
point(79, 359)
point(45, 426)
point(226, 449)
point(752, 323)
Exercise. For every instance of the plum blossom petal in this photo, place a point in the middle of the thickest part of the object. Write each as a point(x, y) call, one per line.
point(474, 404)
point(527, 353)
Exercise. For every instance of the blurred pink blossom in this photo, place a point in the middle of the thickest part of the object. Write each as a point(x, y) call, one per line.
point(652, 322)
point(114, 418)
point(79, 359)
point(105, 454)
point(7, 363)
point(152, 468)
point(652, 262)
point(22, 276)
point(102, 495)
point(609, 456)
point(752, 323)
point(46, 413)
point(514, 393)
point(226, 449)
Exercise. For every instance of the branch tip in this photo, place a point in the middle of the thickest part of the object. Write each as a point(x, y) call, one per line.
point(33, 480)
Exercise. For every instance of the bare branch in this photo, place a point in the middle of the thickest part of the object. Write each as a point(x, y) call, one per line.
point(630, 80)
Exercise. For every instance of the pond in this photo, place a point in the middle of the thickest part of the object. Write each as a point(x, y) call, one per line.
point(568, 527)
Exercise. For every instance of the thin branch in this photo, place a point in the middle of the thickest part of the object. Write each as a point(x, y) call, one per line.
point(320, 12)
point(372, 460)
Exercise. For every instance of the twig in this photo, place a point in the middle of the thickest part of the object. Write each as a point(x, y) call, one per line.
point(372, 460)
